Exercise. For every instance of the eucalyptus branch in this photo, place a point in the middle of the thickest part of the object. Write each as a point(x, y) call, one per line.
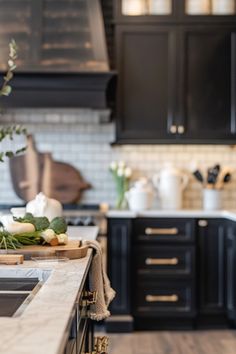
point(10, 131)
point(6, 88)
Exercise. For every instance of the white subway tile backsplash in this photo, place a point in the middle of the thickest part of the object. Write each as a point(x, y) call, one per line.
point(75, 136)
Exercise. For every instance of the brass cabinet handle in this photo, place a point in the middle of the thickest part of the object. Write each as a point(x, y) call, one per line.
point(181, 129)
point(160, 231)
point(89, 298)
point(162, 298)
point(162, 261)
point(173, 129)
point(202, 223)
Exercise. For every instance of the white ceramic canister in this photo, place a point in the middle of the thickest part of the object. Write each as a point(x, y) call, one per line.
point(223, 7)
point(140, 196)
point(160, 7)
point(170, 183)
point(212, 199)
point(198, 7)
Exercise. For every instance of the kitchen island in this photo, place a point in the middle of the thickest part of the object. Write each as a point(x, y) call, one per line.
point(45, 324)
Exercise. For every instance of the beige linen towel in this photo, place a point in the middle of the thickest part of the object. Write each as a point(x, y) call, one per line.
point(98, 281)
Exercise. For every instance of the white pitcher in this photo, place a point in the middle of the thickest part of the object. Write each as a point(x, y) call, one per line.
point(170, 183)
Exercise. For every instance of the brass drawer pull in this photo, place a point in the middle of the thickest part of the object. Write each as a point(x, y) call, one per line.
point(160, 231)
point(162, 298)
point(89, 298)
point(101, 345)
point(162, 261)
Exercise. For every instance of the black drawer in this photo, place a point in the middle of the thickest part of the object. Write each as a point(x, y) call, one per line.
point(164, 230)
point(174, 261)
point(165, 299)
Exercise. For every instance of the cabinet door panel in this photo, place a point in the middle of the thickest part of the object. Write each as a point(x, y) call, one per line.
point(212, 268)
point(231, 272)
point(147, 76)
point(119, 263)
point(205, 83)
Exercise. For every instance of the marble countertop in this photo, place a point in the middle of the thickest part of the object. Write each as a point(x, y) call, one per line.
point(43, 326)
point(184, 213)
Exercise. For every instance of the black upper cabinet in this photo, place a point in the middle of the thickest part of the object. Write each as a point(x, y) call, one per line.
point(177, 78)
point(206, 85)
point(146, 102)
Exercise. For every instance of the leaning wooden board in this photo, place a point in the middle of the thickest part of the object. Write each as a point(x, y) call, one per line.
point(71, 251)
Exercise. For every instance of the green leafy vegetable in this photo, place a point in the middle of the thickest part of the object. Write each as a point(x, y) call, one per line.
point(28, 218)
point(40, 222)
point(58, 225)
point(29, 238)
point(8, 241)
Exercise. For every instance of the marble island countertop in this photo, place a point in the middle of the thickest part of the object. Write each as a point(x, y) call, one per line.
point(43, 326)
point(184, 213)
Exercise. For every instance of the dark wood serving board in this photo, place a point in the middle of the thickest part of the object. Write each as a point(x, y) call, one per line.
point(71, 251)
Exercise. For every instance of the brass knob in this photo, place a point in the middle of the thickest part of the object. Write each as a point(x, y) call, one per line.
point(202, 223)
point(89, 298)
point(181, 129)
point(173, 129)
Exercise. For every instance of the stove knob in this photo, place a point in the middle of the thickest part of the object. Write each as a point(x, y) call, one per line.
point(79, 222)
point(70, 222)
point(89, 221)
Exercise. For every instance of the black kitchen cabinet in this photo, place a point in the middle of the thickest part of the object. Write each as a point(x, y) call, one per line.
point(207, 108)
point(177, 78)
point(231, 272)
point(172, 272)
point(119, 271)
point(211, 282)
point(146, 102)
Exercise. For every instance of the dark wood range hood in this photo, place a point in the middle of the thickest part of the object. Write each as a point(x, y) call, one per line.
point(62, 56)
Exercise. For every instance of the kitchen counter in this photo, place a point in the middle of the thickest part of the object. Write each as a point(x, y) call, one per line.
point(185, 213)
point(43, 326)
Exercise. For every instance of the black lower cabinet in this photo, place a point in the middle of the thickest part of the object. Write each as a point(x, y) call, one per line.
point(211, 280)
point(119, 271)
point(231, 273)
point(172, 273)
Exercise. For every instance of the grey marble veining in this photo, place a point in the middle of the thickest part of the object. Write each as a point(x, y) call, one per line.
point(43, 327)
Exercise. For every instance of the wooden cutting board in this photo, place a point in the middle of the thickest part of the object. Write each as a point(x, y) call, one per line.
point(71, 251)
point(35, 172)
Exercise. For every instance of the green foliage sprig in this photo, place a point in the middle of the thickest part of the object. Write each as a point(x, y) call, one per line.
point(10, 131)
point(6, 88)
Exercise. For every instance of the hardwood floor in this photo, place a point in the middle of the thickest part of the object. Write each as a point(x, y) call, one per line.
point(197, 342)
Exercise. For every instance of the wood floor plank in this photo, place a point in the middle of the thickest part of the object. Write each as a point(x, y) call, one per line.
point(164, 342)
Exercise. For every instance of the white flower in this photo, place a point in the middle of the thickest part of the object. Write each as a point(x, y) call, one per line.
point(121, 164)
point(120, 172)
point(113, 165)
point(128, 172)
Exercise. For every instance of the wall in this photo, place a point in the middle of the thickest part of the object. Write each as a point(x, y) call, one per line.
point(75, 136)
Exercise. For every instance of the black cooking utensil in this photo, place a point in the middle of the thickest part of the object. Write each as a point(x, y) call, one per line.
point(227, 178)
point(212, 174)
point(198, 175)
